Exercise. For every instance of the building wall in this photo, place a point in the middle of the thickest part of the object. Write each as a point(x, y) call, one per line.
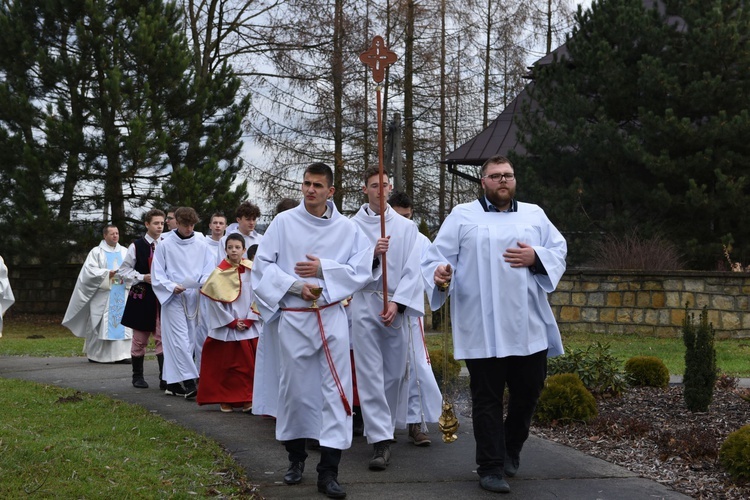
point(651, 303)
point(42, 290)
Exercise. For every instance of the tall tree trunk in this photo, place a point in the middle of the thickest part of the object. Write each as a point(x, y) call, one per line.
point(443, 121)
point(338, 96)
point(409, 99)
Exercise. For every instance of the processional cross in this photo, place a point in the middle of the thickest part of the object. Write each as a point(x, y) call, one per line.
point(378, 58)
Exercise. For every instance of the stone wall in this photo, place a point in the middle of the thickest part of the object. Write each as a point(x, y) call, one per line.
point(651, 303)
point(645, 303)
point(42, 290)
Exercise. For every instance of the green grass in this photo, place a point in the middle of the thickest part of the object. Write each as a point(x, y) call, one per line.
point(732, 355)
point(38, 336)
point(59, 443)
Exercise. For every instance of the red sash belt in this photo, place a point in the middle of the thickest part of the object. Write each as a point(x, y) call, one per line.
point(329, 358)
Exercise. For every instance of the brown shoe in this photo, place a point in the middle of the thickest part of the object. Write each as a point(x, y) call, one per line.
point(418, 437)
point(247, 407)
point(226, 407)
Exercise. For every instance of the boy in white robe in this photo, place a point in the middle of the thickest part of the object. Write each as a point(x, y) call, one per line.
point(422, 401)
point(304, 250)
point(379, 336)
point(229, 361)
point(98, 303)
point(6, 294)
point(177, 272)
point(247, 216)
point(499, 259)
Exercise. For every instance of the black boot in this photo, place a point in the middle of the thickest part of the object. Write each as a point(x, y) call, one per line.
point(138, 380)
point(162, 382)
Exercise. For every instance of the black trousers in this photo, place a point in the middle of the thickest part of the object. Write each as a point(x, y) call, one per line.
point(329, 458)
point(524, 376)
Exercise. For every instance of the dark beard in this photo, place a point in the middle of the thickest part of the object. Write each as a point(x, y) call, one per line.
point(501, 202)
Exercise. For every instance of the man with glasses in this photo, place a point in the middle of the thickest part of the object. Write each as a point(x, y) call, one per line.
point(498, 259)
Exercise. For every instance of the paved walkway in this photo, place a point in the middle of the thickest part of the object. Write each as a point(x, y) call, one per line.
point(548, 470)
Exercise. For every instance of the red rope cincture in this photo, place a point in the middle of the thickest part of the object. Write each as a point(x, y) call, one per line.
point(424, 342)
point(329, 358)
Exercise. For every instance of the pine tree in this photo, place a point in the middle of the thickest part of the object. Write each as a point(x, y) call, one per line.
point(700, 362)
point(644, 122)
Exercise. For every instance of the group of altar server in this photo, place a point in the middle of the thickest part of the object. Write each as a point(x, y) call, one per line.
point(273, 332)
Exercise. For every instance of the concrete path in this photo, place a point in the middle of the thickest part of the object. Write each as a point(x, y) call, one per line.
point(548, 470)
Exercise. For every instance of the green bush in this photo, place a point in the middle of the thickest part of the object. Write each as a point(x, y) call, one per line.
point(646, 371)
point(700, 362)
point(436, 362)
point(734, 454)
point(565, 399)
point(595, 365)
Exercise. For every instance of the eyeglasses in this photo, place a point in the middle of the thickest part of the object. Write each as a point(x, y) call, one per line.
point(499, 177)
point(170, 218)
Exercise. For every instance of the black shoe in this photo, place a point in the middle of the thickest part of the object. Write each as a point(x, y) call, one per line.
point(190, 388)
point(510, 465)
point(495, 483)
point(331, 487)
point(294, 473)
point(174, 390)
point(382, 456)
point(139, 383)
point(162, 385)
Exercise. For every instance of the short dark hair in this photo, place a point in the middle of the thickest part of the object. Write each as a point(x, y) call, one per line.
point(496, 160)
point(234, 236)
point(217, 214)
point(400, 199)
point(321, 169)
point(251, 251)
point(370, 171)
point(286, 204)
point(186, 216)
point(154, 212)
point(247, 209)
point(105, 229)
point(172, 209)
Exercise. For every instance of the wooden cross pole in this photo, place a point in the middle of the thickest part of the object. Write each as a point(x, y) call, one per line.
point(378, 58)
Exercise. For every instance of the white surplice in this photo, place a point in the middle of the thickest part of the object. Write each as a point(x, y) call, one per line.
point(267, 365)
point(310, 404)
point(423, 401)
point(6, 294)
point(92, 315)
point(201, 331)
point(179, 261)
point(497, 310)
point(379, 350)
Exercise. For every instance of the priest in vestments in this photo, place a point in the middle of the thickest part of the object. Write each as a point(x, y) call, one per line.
point(177, 272)
point(379, 337)
point(228, 364)
point(305, 249)
point(499, 259)
point(98, 302)
point(6, 294)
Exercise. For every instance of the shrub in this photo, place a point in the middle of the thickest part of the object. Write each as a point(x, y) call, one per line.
point(436, 362)
point(648, 371)
point(734, 454)
point(634, 251)
point(565, 399)
point(595, 365)
point(700, 362)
